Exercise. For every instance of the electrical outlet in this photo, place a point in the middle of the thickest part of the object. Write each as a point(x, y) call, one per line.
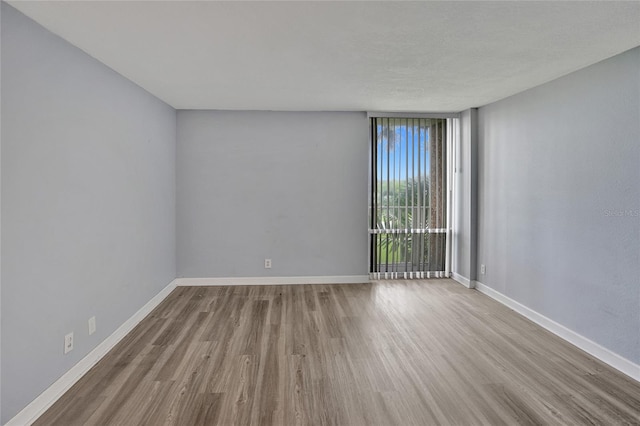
point(267, 264)
point(92, 325)
point(68, 343)
point(483, 269)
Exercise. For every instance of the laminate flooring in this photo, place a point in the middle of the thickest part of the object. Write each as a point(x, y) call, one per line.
point(386, 353)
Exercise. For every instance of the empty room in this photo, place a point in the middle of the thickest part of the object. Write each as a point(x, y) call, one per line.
point(319, 213)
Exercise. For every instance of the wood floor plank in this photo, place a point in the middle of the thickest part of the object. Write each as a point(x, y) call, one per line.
point(427, 352)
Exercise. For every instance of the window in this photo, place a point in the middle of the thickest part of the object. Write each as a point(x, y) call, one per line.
point(409, 214)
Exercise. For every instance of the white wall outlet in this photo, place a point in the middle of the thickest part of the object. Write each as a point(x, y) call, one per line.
point(267, 264)
point(68, 343)
point(92, 325)
point(483, 269)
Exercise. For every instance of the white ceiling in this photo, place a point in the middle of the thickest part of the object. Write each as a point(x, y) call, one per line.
point(376, 56)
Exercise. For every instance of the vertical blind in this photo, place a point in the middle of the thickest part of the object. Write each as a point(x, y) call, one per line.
point(408, 200)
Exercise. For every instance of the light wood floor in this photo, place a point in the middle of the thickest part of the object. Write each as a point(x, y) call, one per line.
point(388, 353)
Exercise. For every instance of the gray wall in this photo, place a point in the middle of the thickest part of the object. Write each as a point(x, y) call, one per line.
point(88, 204)
point(1, 8)
point(559, 201)
point(463, 259)
point(287, 186)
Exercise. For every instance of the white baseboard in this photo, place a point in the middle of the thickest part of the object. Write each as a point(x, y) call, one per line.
point(337, 279)
point(462, 280)
point(46, 399)
point(603, 354)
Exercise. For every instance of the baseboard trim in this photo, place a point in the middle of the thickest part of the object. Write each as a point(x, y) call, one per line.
point(46, 399)
point(592, 348)
point(233, 281)
point(462, 280)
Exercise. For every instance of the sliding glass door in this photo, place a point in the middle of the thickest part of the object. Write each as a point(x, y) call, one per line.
point(408, 224)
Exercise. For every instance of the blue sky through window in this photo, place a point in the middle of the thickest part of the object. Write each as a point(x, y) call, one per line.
point(403, 151)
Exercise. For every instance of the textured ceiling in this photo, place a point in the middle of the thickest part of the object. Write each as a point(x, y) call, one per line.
point(385, 56)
